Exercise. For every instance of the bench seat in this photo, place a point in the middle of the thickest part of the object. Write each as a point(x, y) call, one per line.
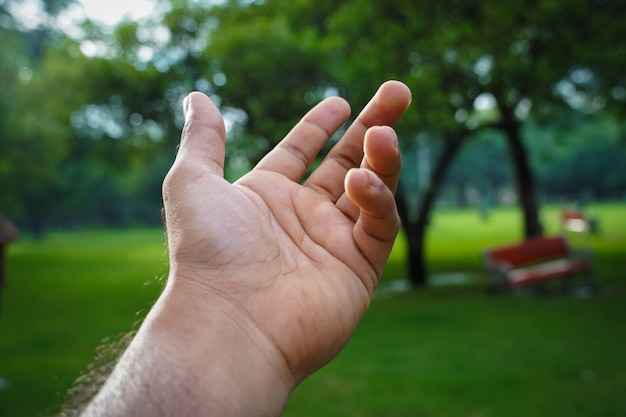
point(545, 271)
point(533, 261)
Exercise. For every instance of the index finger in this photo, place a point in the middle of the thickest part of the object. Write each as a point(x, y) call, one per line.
point(384, 109)
point(293, 156)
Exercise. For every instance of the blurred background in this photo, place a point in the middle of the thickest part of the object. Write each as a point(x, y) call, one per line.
point(517, 115)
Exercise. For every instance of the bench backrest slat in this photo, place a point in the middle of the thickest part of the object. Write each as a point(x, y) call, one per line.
point(572, 214)
point(530, 251)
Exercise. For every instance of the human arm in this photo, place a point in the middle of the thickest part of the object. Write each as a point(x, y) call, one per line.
point(268, 277)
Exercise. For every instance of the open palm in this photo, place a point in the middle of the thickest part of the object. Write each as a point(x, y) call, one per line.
point(297, 262)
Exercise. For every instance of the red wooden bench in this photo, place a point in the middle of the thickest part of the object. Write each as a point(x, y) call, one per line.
point(534, 261)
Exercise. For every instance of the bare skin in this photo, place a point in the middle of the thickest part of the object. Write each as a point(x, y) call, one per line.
point(268, 277)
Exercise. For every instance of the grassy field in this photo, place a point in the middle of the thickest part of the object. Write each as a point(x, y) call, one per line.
point(448, 350)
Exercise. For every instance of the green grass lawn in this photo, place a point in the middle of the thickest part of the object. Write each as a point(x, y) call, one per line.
point(65, 295)
point(444, 351)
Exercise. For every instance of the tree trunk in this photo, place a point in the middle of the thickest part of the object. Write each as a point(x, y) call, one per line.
point(524, 178)
point(415, 230)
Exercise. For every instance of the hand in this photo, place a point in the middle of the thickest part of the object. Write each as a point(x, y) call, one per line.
point(299, 262)
point(268, 274)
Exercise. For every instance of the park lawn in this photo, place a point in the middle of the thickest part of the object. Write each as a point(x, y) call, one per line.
point(65, 295)
point(453, 351)
point(443, 351)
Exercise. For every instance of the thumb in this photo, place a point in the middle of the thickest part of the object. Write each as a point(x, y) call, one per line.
point(203, 139)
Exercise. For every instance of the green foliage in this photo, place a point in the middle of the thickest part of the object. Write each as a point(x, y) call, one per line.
point(267, 70)
point(474, 178)
point(76, 127)
point(91, 115)
point(581, 159)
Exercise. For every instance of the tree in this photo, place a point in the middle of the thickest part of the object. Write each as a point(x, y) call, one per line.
point(455, 53)
point(73, 123)
point(270, 72)
point(267, 62)
point(578, 159)
point(33, 140)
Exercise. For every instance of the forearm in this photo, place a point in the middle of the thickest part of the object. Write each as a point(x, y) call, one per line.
point(195, 357)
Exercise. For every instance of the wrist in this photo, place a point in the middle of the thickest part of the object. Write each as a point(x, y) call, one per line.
point(230, 358)
point(198, 354)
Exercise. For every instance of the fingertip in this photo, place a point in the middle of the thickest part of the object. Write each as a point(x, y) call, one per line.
point(361, 183)
point(191, 103)
point(340, 104)
point(329, 114)
point(382, 154)
point(398, 89)
point(203, 138)
point(388, 104)
point(355, 178)
point(381, 140)
point(198, 107)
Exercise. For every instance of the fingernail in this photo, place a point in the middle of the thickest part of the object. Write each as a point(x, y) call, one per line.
point(359, 177)
point(395, 143)
point(186, 104)
point(372, 179)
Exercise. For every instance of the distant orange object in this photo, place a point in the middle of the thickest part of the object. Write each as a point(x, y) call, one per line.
point(575, 220)
point(8, 234)
point(8, 231)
